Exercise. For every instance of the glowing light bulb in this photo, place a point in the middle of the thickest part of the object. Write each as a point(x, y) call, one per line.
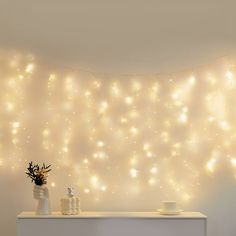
point(185, 109)
point(15, 141)
point(129, 100)
point(192, 80)
point(133, 130)
point(123, 120)
point(211, 165)
point(100, 155)
point(211, 79)
point(46, 132)
point(177, 145)
point(233, 162)
point(115, 90)
point(21, 77)
point(224, 125)
point(136, 85)
point(186, 197)
point(103, 107)
point(183, 118)
point(97, 84)
point(15, 124)
point(149, 154)
point(52, 78)
point(211, 119)
point(14, 131)
point(53, 184)
point(174, 153)
point(133, 114)
point(133, 161)
point(155, 87)
point(133, 173)
point(230, 78)
point(94, 180)
point(154, 170)
point(100, 144)
point(104, 188)
point(85, 161)
point(65, 149)
point(87, 190)
point(87, 93)
point(165, 137)
point(146, 146)
point(151, 181)
point(176, 95)
point(9, 106)
point(29, 68)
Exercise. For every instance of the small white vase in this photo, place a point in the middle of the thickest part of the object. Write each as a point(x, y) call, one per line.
point(41, 194)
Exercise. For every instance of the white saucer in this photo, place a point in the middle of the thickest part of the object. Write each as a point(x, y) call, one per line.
point(163, 212)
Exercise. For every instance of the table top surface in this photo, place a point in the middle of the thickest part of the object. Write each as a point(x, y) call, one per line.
point(91, 215)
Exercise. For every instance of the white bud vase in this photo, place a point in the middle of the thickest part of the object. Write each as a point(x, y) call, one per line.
point(41, 194)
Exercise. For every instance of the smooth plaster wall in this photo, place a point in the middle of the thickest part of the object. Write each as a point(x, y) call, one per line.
point(122, 37)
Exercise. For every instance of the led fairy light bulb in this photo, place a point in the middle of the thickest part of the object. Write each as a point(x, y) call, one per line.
point(233, 162)
point(29, 68)
point(128, 100)
point(230, 79)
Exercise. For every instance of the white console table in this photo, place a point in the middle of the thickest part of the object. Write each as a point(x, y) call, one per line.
point(112, 224)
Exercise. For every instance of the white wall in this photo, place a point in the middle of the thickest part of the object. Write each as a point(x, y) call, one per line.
point(122, 37)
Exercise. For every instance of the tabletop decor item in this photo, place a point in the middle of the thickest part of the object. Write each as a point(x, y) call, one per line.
point(39, 175)
point(71, 204)
point(169, 208)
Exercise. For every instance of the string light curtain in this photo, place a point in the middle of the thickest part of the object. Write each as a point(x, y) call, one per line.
point(122, 135)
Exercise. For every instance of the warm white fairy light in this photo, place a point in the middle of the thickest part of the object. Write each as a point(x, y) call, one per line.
point(154, 170)
point(146, 146)
point(133, 173)
point(165, 136)
point(100, 144)
point(136, 85)
point(133, 130)
point(29, 68)
point(162, 133)
point(129, 100)
point(97, 84)
point(224, 125)
point(151, 181)
point(9, 106)
point(103, 107)
point(87, 93)
point(104, 188)
point(46, 132)
point(211, 165)
point(233, 162)
point(133, 161)
point(149, 154)
point(183, 118)
point(86, 161)
point(230, 78)
point(94, 180)
point(192, 80)
point(123, 120)
point(87, 190)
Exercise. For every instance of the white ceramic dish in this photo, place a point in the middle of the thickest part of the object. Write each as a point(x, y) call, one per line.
point(163, 212)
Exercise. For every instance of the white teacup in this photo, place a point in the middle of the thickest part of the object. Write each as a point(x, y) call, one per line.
point(169, 206)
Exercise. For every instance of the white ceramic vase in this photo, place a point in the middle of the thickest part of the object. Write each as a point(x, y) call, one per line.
point(41, 194)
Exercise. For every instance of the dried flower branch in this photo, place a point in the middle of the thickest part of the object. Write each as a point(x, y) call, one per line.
point(38, 174)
